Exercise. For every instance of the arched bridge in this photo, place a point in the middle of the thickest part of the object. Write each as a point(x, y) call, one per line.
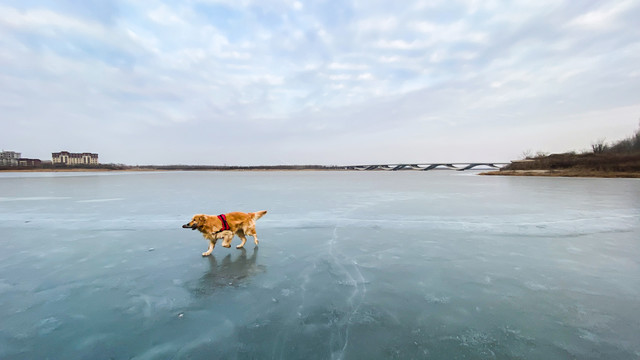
point(429, 166)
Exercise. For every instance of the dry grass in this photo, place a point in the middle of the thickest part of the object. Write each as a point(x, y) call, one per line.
point(608, 165)
point(565, 173)
point(607, 162)
point(621, 159)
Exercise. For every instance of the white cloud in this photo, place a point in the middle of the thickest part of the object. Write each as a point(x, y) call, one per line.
point(347, 66)
point(389, 59)
point(44, 21)
point(148, 43)
point(315, 76)
point(340, 77)
point(377, 24)
point(603, 17)
point(165, 16)
point(398, 44)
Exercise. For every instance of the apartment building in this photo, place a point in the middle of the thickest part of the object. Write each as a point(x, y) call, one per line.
point(12, 158)
point(67, 158)
point(9, 158)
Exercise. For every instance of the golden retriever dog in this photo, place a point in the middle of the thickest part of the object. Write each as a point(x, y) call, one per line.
point(225, 226)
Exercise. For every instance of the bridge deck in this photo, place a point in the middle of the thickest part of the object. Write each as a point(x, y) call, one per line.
point(429, 166)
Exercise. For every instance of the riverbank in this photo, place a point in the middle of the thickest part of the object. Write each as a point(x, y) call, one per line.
point(609, 165)
point(564, 173)
point(108, 167)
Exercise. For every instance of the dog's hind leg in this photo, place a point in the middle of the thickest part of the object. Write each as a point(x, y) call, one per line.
point(252, 232)
point(226, 242)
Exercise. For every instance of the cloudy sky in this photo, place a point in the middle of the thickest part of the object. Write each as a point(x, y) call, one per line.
point(248, 82)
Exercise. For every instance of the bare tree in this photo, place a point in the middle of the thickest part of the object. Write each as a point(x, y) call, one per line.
point(599, 147)
point(527, 154)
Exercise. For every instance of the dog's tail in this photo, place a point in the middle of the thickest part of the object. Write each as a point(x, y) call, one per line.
point(258, 214)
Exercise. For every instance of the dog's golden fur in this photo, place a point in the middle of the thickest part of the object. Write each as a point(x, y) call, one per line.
point(241, 224)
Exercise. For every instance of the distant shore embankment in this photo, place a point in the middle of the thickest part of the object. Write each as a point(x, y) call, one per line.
point(606, 165)
point(120, 167)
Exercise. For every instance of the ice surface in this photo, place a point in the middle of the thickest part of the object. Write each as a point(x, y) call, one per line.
point(351, 265)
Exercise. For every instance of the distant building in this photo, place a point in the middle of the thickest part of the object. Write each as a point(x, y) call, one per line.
point(9, 158)
point(12, 158)
point(29, 162)
point(67, 158)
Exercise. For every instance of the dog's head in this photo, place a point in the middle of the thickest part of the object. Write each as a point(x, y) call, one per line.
point(196, 222)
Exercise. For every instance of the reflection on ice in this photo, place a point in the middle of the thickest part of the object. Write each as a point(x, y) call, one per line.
point(228, 272)
point(99, 200)
point(32, 198)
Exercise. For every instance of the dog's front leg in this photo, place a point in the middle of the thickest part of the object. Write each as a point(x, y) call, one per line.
point(244, 240)
point(212, 244)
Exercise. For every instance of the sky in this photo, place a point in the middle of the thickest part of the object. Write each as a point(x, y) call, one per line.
point(266, 82)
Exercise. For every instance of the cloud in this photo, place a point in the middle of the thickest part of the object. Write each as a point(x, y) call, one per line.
point(605, 16)
point(370, 80)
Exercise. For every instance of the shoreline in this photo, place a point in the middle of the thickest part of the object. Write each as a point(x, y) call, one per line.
point(532, 172)
point(565, 173)
point(71, 170)
point(162, 169)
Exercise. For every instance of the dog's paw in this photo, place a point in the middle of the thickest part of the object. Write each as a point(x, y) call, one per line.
point(239, 247)
point(204, 254)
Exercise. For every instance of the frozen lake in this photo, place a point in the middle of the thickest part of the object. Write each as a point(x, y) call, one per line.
point(351, 265)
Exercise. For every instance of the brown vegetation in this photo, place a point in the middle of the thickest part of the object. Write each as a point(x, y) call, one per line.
point(565, 173)
point(621, 159)
point(604, 162)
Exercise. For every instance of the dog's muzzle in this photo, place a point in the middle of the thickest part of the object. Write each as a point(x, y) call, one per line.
point(187, 226)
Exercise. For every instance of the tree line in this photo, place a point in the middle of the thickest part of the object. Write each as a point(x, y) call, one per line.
point(628, 145)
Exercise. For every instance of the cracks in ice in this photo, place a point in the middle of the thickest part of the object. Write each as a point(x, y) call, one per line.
point(354, 277)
